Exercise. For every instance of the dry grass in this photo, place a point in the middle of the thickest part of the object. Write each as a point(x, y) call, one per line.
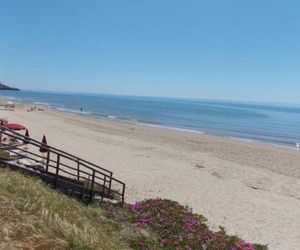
point(33, 216)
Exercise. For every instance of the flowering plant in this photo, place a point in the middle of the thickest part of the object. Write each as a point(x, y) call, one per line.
point(174, 226)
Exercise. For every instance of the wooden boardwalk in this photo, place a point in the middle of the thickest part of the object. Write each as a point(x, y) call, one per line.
point(65, 172)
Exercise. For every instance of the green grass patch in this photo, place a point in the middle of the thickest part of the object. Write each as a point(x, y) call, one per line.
point(34, 216)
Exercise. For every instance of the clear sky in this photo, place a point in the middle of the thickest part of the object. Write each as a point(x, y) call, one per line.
point(225, 49)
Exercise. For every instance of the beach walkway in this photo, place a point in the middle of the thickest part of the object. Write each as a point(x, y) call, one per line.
point(65, 172)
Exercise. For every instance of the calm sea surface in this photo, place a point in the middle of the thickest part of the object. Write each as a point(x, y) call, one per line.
point(271, 123)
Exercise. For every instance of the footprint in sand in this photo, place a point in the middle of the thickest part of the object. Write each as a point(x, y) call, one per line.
point(199, 166)
point(216, 174)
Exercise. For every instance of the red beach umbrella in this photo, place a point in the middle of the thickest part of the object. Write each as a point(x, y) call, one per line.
point(26, 141)
point(14, 126)
point(44, 144)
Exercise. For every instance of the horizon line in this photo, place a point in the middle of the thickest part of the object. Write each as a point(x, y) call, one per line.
point(153, 96)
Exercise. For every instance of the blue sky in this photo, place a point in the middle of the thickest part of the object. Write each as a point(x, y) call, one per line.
point(233, 49)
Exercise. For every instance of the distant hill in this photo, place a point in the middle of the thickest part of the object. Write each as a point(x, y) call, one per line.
point(5, 87)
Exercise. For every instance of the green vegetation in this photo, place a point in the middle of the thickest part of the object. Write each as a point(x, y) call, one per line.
point(33, 216)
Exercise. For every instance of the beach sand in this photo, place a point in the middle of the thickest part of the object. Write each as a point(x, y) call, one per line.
point(251, 189)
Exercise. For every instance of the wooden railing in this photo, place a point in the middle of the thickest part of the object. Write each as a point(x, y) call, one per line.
point(83, 177)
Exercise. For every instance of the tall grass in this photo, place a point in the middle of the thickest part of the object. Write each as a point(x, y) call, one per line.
point(33, 216)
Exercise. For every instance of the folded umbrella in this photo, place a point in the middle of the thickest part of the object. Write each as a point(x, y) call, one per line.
point(43, 148)
point(26, 140)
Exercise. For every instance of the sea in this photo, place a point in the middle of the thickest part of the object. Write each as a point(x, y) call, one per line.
point(277, 124)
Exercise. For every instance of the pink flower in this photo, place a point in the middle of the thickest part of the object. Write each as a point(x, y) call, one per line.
point(163, 242)
point(143, 222)
point(189, 225)
point(242, 245)
point(135, 207)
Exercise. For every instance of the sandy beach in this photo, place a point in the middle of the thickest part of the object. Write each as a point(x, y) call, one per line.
point(251, 189)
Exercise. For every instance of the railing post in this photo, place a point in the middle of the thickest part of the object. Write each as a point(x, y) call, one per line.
point(1, 136)
point(47, 161)
point(57, 169)
point(92, 186)
point(123, 194)
point(78, 165)
point(109, 185)
point(103, 188)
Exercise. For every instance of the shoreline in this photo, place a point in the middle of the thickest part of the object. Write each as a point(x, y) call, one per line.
point(148, 124)
point(251, 189)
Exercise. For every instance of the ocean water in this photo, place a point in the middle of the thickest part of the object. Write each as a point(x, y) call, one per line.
point(271, 123)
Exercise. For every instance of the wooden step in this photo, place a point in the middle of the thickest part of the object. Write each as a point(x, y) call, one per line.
point(64, 184)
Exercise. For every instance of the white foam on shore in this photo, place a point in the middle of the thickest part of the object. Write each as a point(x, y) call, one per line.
point(111, 117)
point(228, 137)
point(43, 104)
point(279, 145)
point(171, 128)
point(12, 98)
point(241, 139)
point(274, 144)
point(74, 111)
